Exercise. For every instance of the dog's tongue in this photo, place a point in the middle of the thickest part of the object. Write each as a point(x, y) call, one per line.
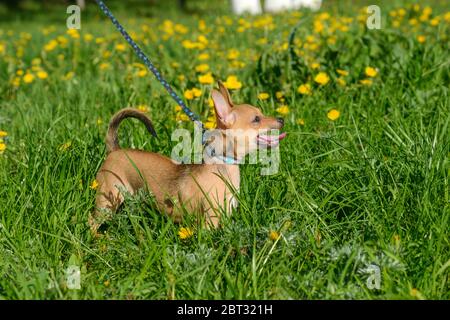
point(273, 138)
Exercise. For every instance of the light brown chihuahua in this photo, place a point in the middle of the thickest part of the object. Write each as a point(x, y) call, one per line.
point(204, 189)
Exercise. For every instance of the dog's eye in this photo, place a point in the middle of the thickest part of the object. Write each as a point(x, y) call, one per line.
point(257, 119)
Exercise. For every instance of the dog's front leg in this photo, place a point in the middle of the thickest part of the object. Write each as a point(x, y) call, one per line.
point(212, 217)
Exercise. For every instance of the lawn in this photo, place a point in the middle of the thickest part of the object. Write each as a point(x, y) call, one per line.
point(359, 208)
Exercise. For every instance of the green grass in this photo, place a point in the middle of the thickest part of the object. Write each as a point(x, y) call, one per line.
point(370, 188)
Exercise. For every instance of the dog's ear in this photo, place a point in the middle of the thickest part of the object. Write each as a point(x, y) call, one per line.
point(225, 117)
point(225, 92)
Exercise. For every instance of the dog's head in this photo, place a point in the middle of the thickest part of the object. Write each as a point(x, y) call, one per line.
point(244, 127)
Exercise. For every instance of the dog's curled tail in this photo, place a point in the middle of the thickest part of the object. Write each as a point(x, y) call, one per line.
point(112, 140)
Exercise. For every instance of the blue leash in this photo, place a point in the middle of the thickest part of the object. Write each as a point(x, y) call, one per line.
point(192, 116)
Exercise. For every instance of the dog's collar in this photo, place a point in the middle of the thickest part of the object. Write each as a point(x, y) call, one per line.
point(211, 152)
point(227, 160)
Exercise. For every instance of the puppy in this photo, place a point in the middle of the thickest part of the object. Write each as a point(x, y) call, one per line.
point(205, 189)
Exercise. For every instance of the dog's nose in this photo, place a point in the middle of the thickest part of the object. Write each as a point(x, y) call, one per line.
point(280, 121)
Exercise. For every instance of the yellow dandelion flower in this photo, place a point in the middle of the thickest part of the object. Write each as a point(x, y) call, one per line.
point(142, 73)
point(206, 78)
point(284, 46)
point(202, 25)
point(62, 41)
point(202, 67)
point(188, 44)
point(143, 108)
point(237, 64)
point(322, 78)
point(51, 45)
point(315, 65)
point(19, 72)
point(120, 47)
point(427, 11)
point(2, 147)
point(332, 40)
point(36, 61)
point(301, 122)
point(273, 235)
point(333, 114)
point(106, 54)
point(232, 82)
point(88, 37)
point(233, 54)
point(3, 134)
point(185, 233)
point(283, 110)
point(401, 12)
point(197, 92)
point(304, 89)
point(42, 75)
point(69, 75)
point(210, 125)
point(263, 96)
point(28, 78)
point(318, 26)
point(181, 117)
point(421, 38)
point(342, 72)
point(16, 82)
point(65, 146)
point(341, 82)
point(262, 41)
point(396, 238)
point(417, 294)
point(447, 16)
point(202, 39)
point(371, 72)
point(423, 17)
point(434, 22)
point(279, 95)
point(210, 102)
point(189, 95)
point(73, 33)
point(366, 82)
point(181, 29)
point(413, 22)
point(94, 185)
point(310, 39)
point(203, 56)
point(104, 66)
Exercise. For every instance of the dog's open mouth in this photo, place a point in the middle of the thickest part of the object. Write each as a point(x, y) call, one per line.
point(270, 140)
